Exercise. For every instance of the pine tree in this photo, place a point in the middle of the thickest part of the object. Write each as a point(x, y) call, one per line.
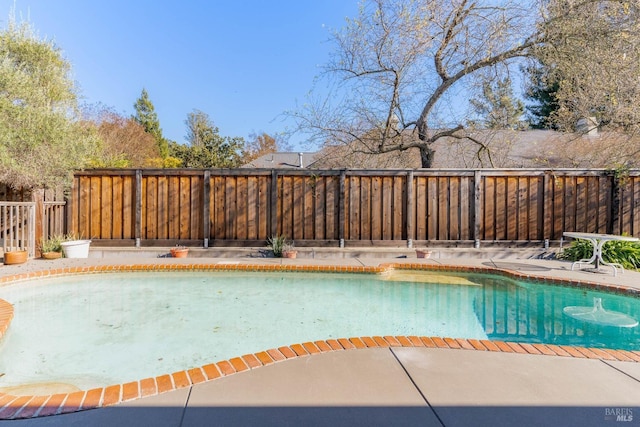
point(498, 108)
point(541, 91)
point(146, 116)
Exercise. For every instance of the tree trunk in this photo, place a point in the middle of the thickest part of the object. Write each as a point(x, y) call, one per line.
point(426, 156)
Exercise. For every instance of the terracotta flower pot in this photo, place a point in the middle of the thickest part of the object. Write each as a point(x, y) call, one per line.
point(15, 257)
point(51, 255)
point(289, 254)
point(179, 252)
point(423, 253)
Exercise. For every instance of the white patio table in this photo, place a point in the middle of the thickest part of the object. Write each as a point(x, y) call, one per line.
point(598, 241)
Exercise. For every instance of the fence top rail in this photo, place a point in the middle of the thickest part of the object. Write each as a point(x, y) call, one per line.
point(354, 172)
point(27, 204)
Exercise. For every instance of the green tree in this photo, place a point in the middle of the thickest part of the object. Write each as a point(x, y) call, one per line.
point(42, 137)
point(498, 108)
point(146, 116)
point(541, 92)
point(207, 148)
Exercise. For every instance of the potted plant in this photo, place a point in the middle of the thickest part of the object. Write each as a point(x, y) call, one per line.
point(51, 248)
point(179, 251)
point(288, 251)
point(276, 244)
point(423, 253)
point(15, 257)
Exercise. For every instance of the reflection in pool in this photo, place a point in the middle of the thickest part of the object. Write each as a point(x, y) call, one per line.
point(97, 330)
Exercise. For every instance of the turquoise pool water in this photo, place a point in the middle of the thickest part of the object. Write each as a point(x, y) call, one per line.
point(102, 329)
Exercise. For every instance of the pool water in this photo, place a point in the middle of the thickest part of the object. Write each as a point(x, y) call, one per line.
point(96, 330)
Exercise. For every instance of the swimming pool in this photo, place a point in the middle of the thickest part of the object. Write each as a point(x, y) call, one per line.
point(95, 330)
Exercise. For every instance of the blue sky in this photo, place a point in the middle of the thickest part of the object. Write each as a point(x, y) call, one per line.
point(243, 62)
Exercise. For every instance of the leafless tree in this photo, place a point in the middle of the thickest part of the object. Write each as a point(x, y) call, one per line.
point(400, 72)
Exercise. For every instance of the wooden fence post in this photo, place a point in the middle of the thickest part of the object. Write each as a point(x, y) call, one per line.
point(409, 209)
point(546, 208)
point(138, 208)
point(274, 203)
point(477, 205)
point(38, 198)
point(341, 208)
point(206, 208)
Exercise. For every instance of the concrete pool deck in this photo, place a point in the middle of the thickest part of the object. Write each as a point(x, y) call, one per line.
point(389, 380)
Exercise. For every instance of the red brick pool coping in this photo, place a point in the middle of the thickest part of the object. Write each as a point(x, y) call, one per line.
point(20, 407)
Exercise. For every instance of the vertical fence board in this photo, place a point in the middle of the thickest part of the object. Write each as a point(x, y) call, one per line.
point(264, 209)
point(128, 207)
point(241, 203)
point(523, 208)
point(320, 205)
point(253, 206)
point(308, 216)
point(173, 207)
point(286, 206)
point(163, 211)
point(535, 203)
point(433, 202)
point(354, 208)
point(152, 207)
point(501, 212)
point(421, 208)
point(455, 207)
point(570, 203)
point(626, 201)
point(376, 208)
point(102, 225)
point(635, 220)
point(399, 207)
point(387, 208)
point(196, 210)
point(231, 208)
point(365, 208)
point(489, 208)
point(117, 231)
point(581, 201)
point(332, 208)
point(604, 203)
point(218, 209)
point(511, 217)
point(443, 211)
point(465, 227)
point(592, 191)
point(297, 204)
point(94, 219)
point(329, 199)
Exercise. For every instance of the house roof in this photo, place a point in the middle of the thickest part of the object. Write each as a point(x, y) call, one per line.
point(504, 149)
point(283, 160)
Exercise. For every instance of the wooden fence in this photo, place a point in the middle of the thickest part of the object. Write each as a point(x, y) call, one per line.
point(243, 207)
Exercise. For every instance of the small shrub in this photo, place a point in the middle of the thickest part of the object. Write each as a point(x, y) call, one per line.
point(277, 245)
point(52, 244)
point(624, 253)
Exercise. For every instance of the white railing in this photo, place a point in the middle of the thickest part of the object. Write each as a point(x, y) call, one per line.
point(18, 226)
